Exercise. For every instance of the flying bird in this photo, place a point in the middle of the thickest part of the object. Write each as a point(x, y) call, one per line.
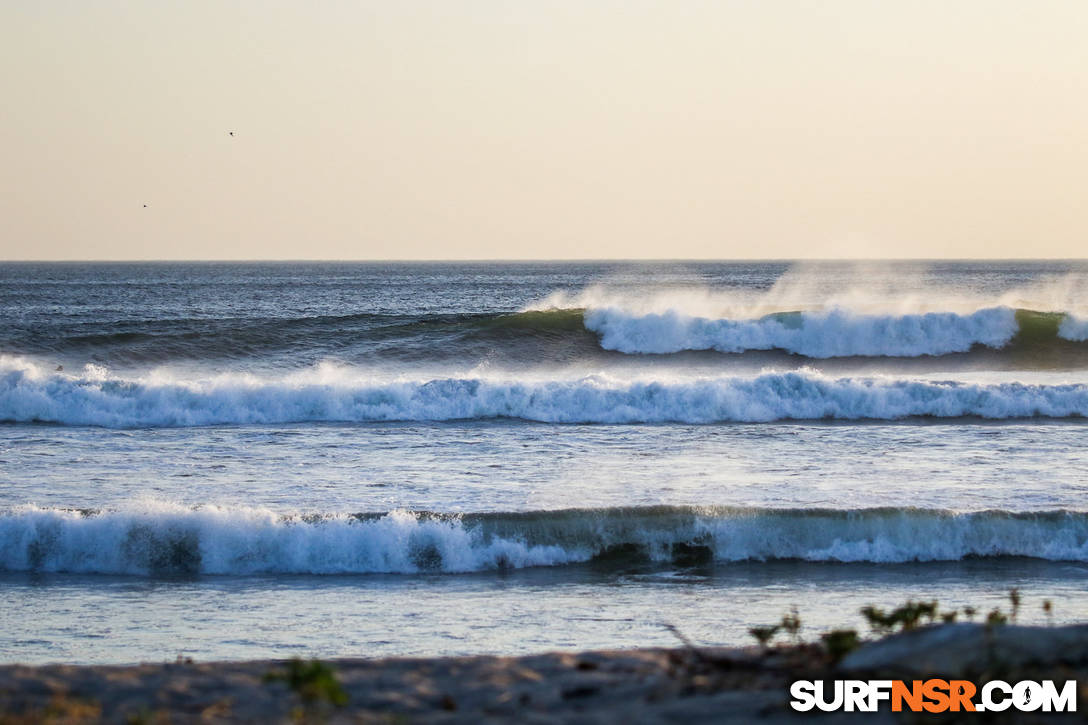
point(231, 132)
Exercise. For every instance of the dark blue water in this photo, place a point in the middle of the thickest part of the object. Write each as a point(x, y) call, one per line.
point(237, 460)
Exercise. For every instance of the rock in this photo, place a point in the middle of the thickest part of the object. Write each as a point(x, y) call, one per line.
point(957, 649)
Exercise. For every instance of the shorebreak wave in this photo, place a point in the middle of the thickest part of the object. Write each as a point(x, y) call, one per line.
point(164, 539)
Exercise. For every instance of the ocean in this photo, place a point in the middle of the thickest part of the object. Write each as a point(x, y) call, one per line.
point(250, 460)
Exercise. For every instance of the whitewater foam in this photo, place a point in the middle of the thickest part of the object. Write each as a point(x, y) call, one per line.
point(30, 394)
point(213, 540)
point(825, 334)
point(1074, 328)
point(162, 539)
point(810, 311)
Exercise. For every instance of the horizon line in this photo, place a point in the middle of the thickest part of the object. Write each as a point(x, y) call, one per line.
point(524, 260)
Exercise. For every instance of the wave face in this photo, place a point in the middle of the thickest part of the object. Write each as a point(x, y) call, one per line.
point(560, 335)
point(28, 394)
point(300, 340)
point(832, 333)
point(169, 540)
point(557, 335)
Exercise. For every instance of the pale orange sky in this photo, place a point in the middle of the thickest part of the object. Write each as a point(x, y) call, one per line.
point(434, 129)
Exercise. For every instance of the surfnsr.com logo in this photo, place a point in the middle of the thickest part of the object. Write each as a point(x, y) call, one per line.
point(933, 695)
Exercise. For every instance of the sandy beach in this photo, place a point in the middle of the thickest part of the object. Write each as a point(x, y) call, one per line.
point(616, 686)
point(735, 685)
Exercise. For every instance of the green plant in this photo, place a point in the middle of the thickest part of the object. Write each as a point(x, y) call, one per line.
point(840, 642)
point(926, 610)
point(878, 620)
point(904, 618)
point(764, 635)
point(314, 681)
point(1014, 600)
point(970, 612)
point(995, 617)
point(791, 625)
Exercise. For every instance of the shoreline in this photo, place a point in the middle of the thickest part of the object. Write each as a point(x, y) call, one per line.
point(688, 684)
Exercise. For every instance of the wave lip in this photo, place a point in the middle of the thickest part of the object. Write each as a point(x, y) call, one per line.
point(563, 334)
point(29, 394)
point(832, 333)
point(213, 540)
point(1073, 328)
point(164, 539)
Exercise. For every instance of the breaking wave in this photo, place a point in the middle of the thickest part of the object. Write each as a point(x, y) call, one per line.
point(564, 334)
point(834, 333)
point(165, 539)
point(30, 394)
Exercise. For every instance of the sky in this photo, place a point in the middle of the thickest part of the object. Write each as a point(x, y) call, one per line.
point(543, 129)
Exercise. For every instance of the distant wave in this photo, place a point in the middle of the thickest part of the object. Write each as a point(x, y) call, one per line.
point(833, 333)
point(162, 539)
point(400, 337)
point(30, 394)
point(563, 335)
point(165, 340)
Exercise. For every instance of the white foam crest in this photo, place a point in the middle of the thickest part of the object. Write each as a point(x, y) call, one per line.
point(1074, 328)
point(28, 394)
point(821, 311)
point(165, 539)
point(833, 333)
